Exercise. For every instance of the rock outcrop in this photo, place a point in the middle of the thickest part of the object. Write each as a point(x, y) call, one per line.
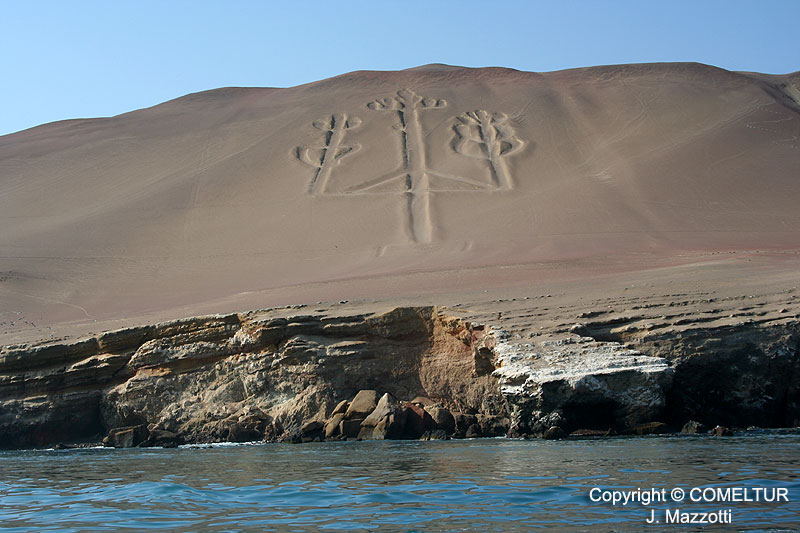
point(245, 377)
point(575, 383)
point(408, 373)
point(629, 375)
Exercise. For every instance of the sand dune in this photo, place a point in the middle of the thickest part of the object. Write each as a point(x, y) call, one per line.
point(360, 184)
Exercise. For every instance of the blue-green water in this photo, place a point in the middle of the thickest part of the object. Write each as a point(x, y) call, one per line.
point(473, 485)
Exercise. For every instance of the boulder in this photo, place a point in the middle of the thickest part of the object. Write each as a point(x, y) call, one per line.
point(721, 431)
point(126, 437)
point(240, 433)
point(436, 434)
point(386, 405)
point(392, 426)
point(473, 432)
point(366, 433)
point(542, 424)
point(580, 330)
point(332, 425)
point(247, 429)
point(463, 421)
point(515, 433)
point(418, 421)
point(312, 430)
point(443, 419)
point(341, 408)
point(423, 401)
point(350, 428)
point(554, 433)
point(694, 427)
point(162, 438)
point(362, 405)
point(386, 421)
point(493, 426)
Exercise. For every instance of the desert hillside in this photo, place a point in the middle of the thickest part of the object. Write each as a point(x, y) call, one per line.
point(437, 179)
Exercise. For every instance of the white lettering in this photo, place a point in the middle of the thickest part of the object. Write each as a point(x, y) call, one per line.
point(680, 517)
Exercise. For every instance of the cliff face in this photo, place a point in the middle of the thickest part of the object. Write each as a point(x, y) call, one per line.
point(257, 375)
point(734, 375)
point(207, 378)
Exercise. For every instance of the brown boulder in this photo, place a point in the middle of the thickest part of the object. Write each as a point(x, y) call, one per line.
point(694, 427)
point(386, 405)
point(515, 433)
point(493, 426)
point(362, 405)
point(391, 427)
point(722, 431)
point(443, 419)
point(463, 421)
point(238, 432)
point(554, 433)
point(332, 425)
point(126, 437)
point(436, 434)
point(162, 438)
point(418, 421)
point(423, 401)
point(341, 407)
point(350, 428)
point(386, 421)
point(311, 430)
point(248, 428)
point(366, 433)
point(473, 432)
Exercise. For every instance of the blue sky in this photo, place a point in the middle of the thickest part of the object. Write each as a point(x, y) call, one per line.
point(75, 59)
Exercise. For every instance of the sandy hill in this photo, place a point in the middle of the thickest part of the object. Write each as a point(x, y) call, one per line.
point(392, 184)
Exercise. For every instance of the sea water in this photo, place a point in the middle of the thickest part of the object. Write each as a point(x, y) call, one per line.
point(457, 485)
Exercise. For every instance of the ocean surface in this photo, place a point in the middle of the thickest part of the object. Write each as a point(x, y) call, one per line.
point(468, 485)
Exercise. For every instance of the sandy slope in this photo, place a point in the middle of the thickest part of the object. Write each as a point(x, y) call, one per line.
point(354, 187)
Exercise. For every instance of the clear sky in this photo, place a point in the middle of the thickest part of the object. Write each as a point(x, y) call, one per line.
point(69, 59)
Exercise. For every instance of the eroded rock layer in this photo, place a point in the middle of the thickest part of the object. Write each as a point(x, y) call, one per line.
point(240, 376)
point(408, 373)
point(745, 374)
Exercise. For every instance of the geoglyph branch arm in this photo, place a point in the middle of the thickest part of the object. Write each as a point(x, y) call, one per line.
point(485, 135)
point(328, 155)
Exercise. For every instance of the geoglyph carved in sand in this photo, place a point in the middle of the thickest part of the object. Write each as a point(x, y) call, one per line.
point(325, 157)
point(489, 136)
point(478, 134)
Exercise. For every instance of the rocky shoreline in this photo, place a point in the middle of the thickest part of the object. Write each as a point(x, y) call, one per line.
point(410, 373)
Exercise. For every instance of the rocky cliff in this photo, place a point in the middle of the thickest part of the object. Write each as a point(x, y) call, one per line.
point(407, 373)
point(745, 374)
point(239, 376)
